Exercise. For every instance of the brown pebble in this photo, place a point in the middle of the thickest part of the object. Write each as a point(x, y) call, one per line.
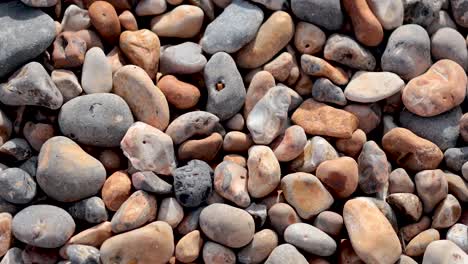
point(6, 237)
point(418, 244)
point(346, 253)
point(116, 190)
point(407, 204)
point(409, 231)
point(352, 146)
point(400, 182)
point(128, 21)
point(236, 141)
point(289, 145)
point(93, 236)
point(197, 148)
point(431, 187)
point(139, 209)
point(37, 134)
point(318, 67)
point(261, 82)
point(366, 26)
point(180, 94)
point(281, 215)
point(104, 18)
point(339, 175)
point(369, 115)
point(184, 21)
point(259, 248)
point(309, 39)
point(68, 50)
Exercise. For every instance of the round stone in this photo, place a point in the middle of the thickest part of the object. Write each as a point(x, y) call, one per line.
point(286, 254)
point(184, 21)
point(324, 13)
point(139, 209)
point(309, 39)
point(329, 222)
point(17, 186)
point(105, 20)
point(339, 175)
point(193, 183)
point(180, 94)
point(259, 248)
point(369, 87)
point(448, 43)
point(431, 187)
point(185, 58)
point(310, 239)
point(116, 190)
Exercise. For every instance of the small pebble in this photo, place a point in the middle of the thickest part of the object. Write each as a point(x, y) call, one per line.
point(259, 248)
point(17, 186)
point(185, 58)
point(326, 92)
point(407, 205)
point(184, 21)
point(310, 239)
point(214, 253)
point(67, 83)
point(309, 39)
point(340, 175)
point(188, 248)
point(75, 19)
point(455, 158)
point(97, 72)
point(140, 208)
point(318, 67)
point(105, 20)
point(447, 213)
point(289, 145)
point(400, 182)
point(191, 124)
point(116, 190)
point(330, 17)
point(388, 12)
point(458, 234)
point(369, 87)
point(82, 254)
point(421, 12)
point(17, 148)
point(91, 210)
point(180, 94)
point(367, 27)
point(316, 151)
point(345, 50)
point(282, 215)
point(196, 148)
point(128, 21)
point(230, 182)
point(329, 222)
point(150, 182)
point(286, 254)
point(150, 7)
point(171, 212)
point(431, 187)
point(418, 244)
point(6, 237)
point(369, 115)
point(264, 171)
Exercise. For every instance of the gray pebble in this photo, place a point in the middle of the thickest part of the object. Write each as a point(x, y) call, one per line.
point(44, 226)
point(30, 166)
point(17, 186)
point(30, 32)
point(408, 52)
point(458, 234)
point(212, 252)
point(442, 130)
point(421, 12)
point(455, 158)
point(31, 85)
point(17, 148)
point(236, 26)
point(448, 43)
point(192, 123)
point(39, 3)
point(226, 91)
point(310, 239)
point(286, 254)
point(324, 13)
point(193, 183)
point(459, 10)
point(91, 210)
point(67, 83)
point(442, 20)
point(273, 4)
point(96, 75)
point(150, 182)
point(13, 256)
point(325, 91)
point(185, 58)
point(96, 119)
point(258, 212)
point(347, 51)
point(6, 127)
point(82, 254)
point(6, 207)
point(75, 19)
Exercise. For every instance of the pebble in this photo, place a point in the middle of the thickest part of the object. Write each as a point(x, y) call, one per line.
point(408, 52)
point(184, 21)
point(16, 148)
point(259, 248)
point(190, 221)
point(214, 253)
point(139, 209)
point(444, 252)
point(142, 48)
point(239, 12)
point(268, 117)
point(93, 236)
point(329, 222)
point(345, 50)
point(96, 119)
point(273, 35)
point(69, 50)
point(83, 254)
point(17, 186)
point(235, 141)
point(238, 159)
point(171, 212)
point(441, 21)
point(147, 102)
point(196, 148)
point(116, 59)
point(190, 124)
point(369, 87)
point(97, 72)
point(410, 151)
point(230, 182)
point(150, 182)
point(346, 253)
point(149, 149)
point(105, 20)
point(298, 185)
point(367, 27)
point(308, 38)
point(318, 67)
point(329, 16)
point(281, 67)
point(30, 32)
point(455, 158)
point(116, 190)
point(369, 115)
point(153, 243)
point(31, 85)
point(388, 12)
point(264, 171)
point(185, 58)
point(44, 226)
point(418, 244)
point(458, 8)
point(439, 90)
point(320, 119)
point(316, 151)
point(431, 187)
point(310, 239)
point(442, 129)
point(6, 128)
point(371, 235)
point(421, 12)
point(406, 204)
point(289, 145)
point(64, 165)
point(286, 254)
point(340, 175)
point(39, 3)
point(180, 94)
point(373, 168)
point(236, 122)
point(193, 183)
point(12, 256)
point(326, 92)
point(457, 186)
point(6, 238)
point(67, 83)
point(110, 159)
point(408, 232)
point(235, 231)
point(447, 43)
point(75, 19)
point(91, 210)
point(32, 254)
point(352, 146)
point(447, 213)
point(128, 21)
point(464, 170)
point(400, 182)
point(458, 234)
point(189, 246)
point(226, 91)
point(150, 7)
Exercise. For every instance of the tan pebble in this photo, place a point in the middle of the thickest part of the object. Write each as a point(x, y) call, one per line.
point(339, 175)
point(236, 141)
point(184, 21)
point(93, 236)
point(418, 244)
point(128, 21)
point(90, 37)
point(180, 94)
point(318, 67)
point(400, 182)
point(230, 182)
point(264, 171)
point(261, 82)
point(116, 190)
point(139, 209)
point(431, 187)
point(238, 159)
point(105, 20)
point(280, 67)
point(446, 213)
point(214, 253)
point(444, 252)
point(309, 39)
point(408, 232)
point(352, 146)
point(150, 7)
point(289, 145)
point(6, 237)
point(260, 248)
point(197, 148)
point(282, 215)
point(366, 26)
point(188, 248)
point(171, 212)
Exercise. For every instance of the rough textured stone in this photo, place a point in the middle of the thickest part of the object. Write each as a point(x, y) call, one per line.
point(310, 239)
point(193, 183)
point(185, 58)
point(459, 12)
point(323, 13)
point(347, 51)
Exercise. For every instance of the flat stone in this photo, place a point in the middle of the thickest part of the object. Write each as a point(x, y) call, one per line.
point(444, 252)
point(193, 183)
point(184, 21)
point(17, 186)
point(322, 13)
point(150, 182)
point(431, 187)
point(340, 175)
point(326, 92)
point(30, 32)
point(388, 12)
point(373, 168)
point(310, 239)
point(316, 151)
point(230, 182)
point(369, 87)
point(286, 254)
point(91, 210)
point(259, 248)
point(96, 76)
point(185, 58)
point(347, 51)
point(190, 124)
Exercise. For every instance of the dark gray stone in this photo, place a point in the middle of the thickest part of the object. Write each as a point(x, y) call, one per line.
point(100, 119)
point(325, 91)
point(31, 85)
point(43, 226)
point(448, 43)
point(82, 254)
point(455, 157)
point(17, 186)
point(421, 12)
point(345, 50)
point(193, 183)
point(442, 130)
point(17, 148)
point(226, 90)
point(236, 26)
point(91, 210)
point(324, 13)
point(408, 52)
point(26, 33)
point(13, 256)
point(442, 20)
point(6, 207)
point(30, 166)
point(150, 182)
point(185, 58)
point(459, 10)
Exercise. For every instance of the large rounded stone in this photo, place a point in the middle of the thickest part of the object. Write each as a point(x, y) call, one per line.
point(105, 20)
point(234, 231)
point(193, 183)
point(437, 91)
point(66, 172)
point(369, 87)
point(310, 239)
point(324, 13)
point(444, 252)
point(44, 226)
point(96, 119)
point(286, 254)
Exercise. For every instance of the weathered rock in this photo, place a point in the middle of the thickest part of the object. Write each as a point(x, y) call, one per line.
point(230, 182)
point(213, 253)
point(234, 231)
point(339, 175)
point(91, 210)
point(192, 123)
point(139, 209)
point(96, 76)
point(289, 145)
point(17, 186)
point(53, 224)
point(388, 12)
point(67, 83)
point(421, 12)
point(171, 212)
point(116, 190)
point(446, 213)
point(444, 252)
point(418, 244)
point(369, 87)
point(316, 66)
point(193, 183)
point(259, 248)
point(373, 168)
point(180, 94)
point(316, 151)
point(326, 14)
point(105, 20)
point(400, 182)
point(63, 165)
point(325, 91)
point(184, 21)
point(149, 149)
point(310, 239)
point(352, 146)
point(185, 58)
point(286, 254)
point(150, 182)
point(432, 187)
point(347, 51)
point(407, 204)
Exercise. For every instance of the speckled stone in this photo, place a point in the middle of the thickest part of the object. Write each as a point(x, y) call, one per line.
point(264, 171)
point(459, 12)
point(421, 12)
point(347, 51)
point(91, 210)
point(324, 13)
point(193, 183)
